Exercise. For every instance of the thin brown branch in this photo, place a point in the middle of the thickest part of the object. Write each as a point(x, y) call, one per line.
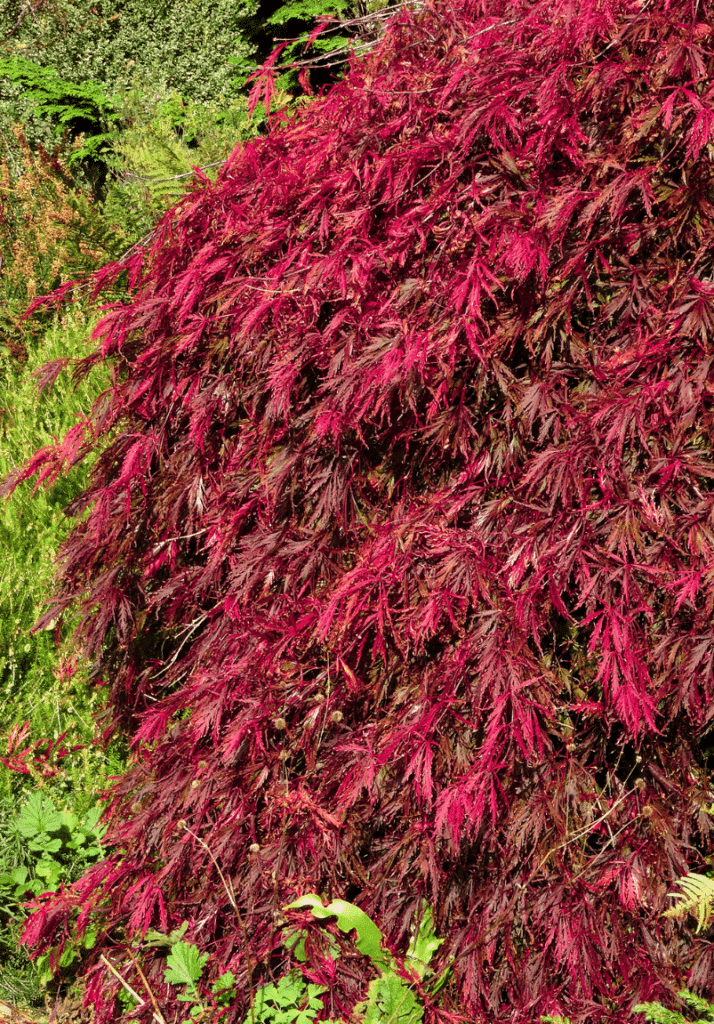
point(232, 900)
point(28, 10)
point(157, 1015)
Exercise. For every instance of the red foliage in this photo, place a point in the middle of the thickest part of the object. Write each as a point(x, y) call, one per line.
point(397, 559)
point(40, 759)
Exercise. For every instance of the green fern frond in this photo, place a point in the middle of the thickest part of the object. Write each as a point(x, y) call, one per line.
point(55, 96)
point(697, 1005)
point(697, 899)
point(305, 10)
point(655, 1013)
point(163, 136)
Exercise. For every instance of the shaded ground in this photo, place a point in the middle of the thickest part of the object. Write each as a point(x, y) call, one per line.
point(64, 1011)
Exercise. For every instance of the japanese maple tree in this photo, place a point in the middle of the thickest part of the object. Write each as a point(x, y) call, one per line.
point(398, 559)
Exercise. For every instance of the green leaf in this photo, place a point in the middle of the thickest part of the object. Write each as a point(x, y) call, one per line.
point(349, 917)
point(184, 965)
point(69, 955)
point(45, 845)
point(225, 981)
point(156, 939)
point(287, 1002)
point(69, 821)
point(391, 1001)
point(295, 942)
point(49, 870)
point(15, 877)
point(423, 944)
point(37, 816)
point(223, 989)
point(91, 825)
point(303, 10)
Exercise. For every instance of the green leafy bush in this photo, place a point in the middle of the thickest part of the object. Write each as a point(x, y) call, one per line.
point(42, 682)
point(291, 1001)
point(41, 848)
point(31, 531)
point(191, 41)
point(73, 45)
point(57, 845)
point(55, 97)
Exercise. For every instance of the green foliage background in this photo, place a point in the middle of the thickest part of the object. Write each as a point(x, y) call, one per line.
point(41, 681)
point(182, 45)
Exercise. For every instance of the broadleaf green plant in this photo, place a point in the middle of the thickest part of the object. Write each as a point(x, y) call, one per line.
point(390, 998)
point(293, 999)
point(57, 847)
point(52, 847)
point(184, 966)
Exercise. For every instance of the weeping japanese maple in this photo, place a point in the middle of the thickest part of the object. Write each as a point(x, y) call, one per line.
point(397, 561)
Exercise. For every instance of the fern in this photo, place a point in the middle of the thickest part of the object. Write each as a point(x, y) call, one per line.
point(162, 137)
point(697, 899)
point(328, 50)
point(38, 682)
point(59, 99)
point(658, 1014)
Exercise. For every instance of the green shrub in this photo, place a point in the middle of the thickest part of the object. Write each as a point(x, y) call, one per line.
point(86, 41)
point(41, 847)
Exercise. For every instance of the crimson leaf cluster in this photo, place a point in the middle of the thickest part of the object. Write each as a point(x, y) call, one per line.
point(397, 558)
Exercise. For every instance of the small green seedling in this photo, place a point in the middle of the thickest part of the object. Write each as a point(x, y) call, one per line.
point(291, 1001)
point(184, 966)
